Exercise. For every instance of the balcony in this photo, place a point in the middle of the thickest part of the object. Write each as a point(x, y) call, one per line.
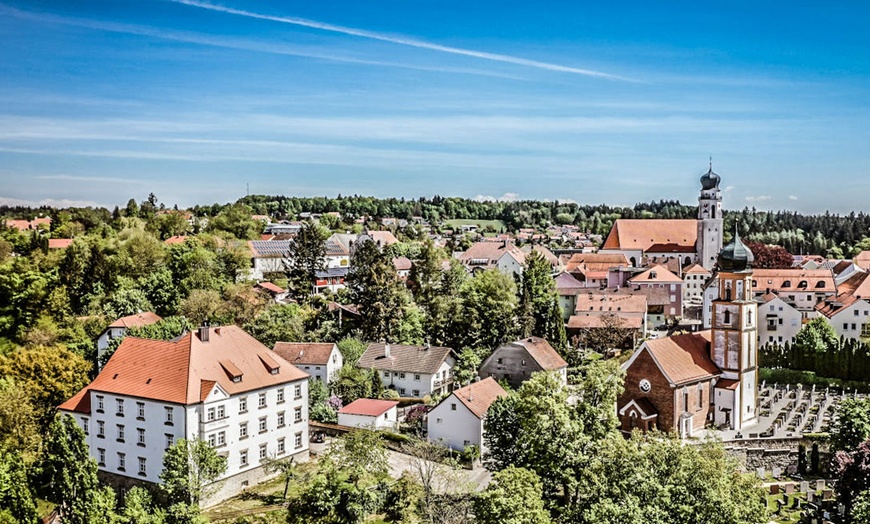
point(439, 383)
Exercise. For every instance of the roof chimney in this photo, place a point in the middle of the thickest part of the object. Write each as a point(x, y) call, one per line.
point(387, 350)
point(203, 333)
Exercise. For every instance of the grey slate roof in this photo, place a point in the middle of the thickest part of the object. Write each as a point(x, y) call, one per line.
point(410, 359)
point(269, 248)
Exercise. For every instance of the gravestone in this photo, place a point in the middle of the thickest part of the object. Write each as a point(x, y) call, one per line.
point(828, 494)
point(805, 486)
point(777, 472)
point(774, 489)
point(810, 496)
point(789, 488)
point(820, 484)
point(760, 472)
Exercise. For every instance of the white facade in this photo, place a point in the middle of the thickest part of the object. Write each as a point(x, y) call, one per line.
point(388, 420)
point(418, 385)
point(509, 265)
point(779, 322)
point(128, 435)
point(107, 336)
point(325, 372)
point(453, 425)
point(852, 321)
point(263, 265)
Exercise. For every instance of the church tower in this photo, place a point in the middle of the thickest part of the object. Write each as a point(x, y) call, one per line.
point(709, 241)
point(734, 340)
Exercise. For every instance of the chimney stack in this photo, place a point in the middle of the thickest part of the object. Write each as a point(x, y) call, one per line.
point(387, 350)
point(203, 333)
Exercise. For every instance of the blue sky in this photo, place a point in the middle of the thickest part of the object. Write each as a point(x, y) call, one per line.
point(101, 101)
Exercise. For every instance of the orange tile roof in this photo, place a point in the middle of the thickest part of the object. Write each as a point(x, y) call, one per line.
point(370, 407)
point(580, 262)
point(24, 225)
point(316, 353)
point(774, 279)
point(727, 384)
point(268, 286)
point(402, 263)
point(175, 371)
point(696, 269)
point(596, 321)
point(175, 239)
point(383, 238)
point(862, 260)
point(642, 234)
point(486, 254)
point(656, 275)
point(478, 396)
point(138, 320)
point(834, 305)
point(611, 302)
point(59, 243)
point(542, 352)
point(683, 358)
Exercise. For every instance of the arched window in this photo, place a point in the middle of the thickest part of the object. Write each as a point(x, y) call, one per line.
point(726, 318)
point(749, 317)
point(632, 420)
point(802, 284)
point(820, 284)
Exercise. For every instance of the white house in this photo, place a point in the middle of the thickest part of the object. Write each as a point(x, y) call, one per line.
point(457, 422)
point(320, 360)
point(369, 413)
point(119, 328)
point(219, 385)
point(778, 321)
point(504, 256)
point(848, 315)
point(267, 256)
point(413, 371)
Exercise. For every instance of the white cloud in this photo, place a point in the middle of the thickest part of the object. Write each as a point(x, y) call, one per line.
point(403, 41)
point(94, 179)
point(792, 197)
point(53, 202)
point(759, 198)
point(728, 189)
point(507, 197)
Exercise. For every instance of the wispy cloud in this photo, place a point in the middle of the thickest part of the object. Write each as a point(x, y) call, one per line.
point(91, 179)
point(758, 198)
point(400, 40)
point(507, 197)
point(53, 202)
point(792, 197)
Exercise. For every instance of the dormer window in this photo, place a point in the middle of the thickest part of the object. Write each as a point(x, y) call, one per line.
point(231, 370)
point(787, 283)
point(820, 284)
point(802, 284)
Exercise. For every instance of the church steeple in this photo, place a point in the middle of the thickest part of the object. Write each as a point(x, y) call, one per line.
point(709, 241)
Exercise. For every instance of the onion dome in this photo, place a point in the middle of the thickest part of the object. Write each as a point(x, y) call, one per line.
point(710, 180)
point(736, 256)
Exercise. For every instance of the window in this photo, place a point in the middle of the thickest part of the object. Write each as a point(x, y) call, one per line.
point(221, 412)
point(140, 410)
point(386, 374)
point(416, 393)
point(845, 325)
point(168, 412)
point(101, 456)
point(402, 375)
point(243, 430)
point(262, 451)
point(297, 440)
point(243, 405)
point(140, 438)
point(280, 446)
point(498, 361)
point(120, 433)
point(122, 462)
point(261, 400)
point(210, 414)
point(854, 327)
point(524, 362)
point(453, 406)
point(466, 443)
point(243, 458)
point(700, 396)
point(212, 440)
point(857, 312)
point(101, 429)
point(438, 421)
point(120, 412)
point(401, 391)
point(280, 395)
point(168, 440)
point(416, 376)
point(99, 403)
point(281, 419)
point(85, 425)
point(297, 391)
point(142, 466)
point(221, 438)
point(262, 425)
point(297, 414)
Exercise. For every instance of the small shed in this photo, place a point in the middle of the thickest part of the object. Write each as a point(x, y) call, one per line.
point(369, 413)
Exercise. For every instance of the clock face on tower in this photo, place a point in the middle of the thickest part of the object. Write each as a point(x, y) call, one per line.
point(645, 386)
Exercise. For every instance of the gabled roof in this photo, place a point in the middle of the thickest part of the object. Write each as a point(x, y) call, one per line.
point(584, 263)
point(24, 225)
point(269, 248)
point(316, 353)
point(541, 351)
point(639, 234)
point(402, 263)
point(59, 243)
point(567, 284)
point(486, 254)
point(643, 404)
point(858, 284)
point(611, 303)
point(697, 269)
point(176, 239)
point(382, 238)
point(138, 320)
point(862, 260)
point(410, 359)
point(681, 358)
point(174, 371)
point(834, 305)
point(369, 407)
point(544, 250)
point(656, 275)
point(478, 396)
point(597, 321)
point(272, 288)
point(775, 279)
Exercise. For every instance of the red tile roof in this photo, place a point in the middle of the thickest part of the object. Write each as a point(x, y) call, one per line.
point(316, 353)
point(596, 321)
point(611, 303)
point(478, 396)
point(862, 260)
point(683, 358)
point(834, 305)
point(370, 407)
point(639, 234)
point(138, 320)
point(24, 225)
point(775, 279)
point(656, 275)
point(402, 263)
point(725, 383)
point(175, 372)
point(59, 243)
point(175, 239)
point(695, 269)
point(268, 286)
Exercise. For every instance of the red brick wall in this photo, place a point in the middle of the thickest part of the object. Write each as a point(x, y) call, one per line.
point(660, 395)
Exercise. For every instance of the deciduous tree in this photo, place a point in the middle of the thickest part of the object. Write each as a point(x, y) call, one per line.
point(515, 496)
point(188, 467)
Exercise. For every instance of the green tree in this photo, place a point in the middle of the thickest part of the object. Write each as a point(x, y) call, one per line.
point(852, 425)
point(15, 494)
point(72, 475)
point(817, 336)
point(305, 257)
point(188, 467)
point(467, 364)
point(279, 323)
point(132, 209)
point(513, 497)
point(19, 420)
point(489, 305)
point(377, 291)
point(201, 305)
point(351, 349)
point(236, 220)
point(140, 509)
point(351, 383)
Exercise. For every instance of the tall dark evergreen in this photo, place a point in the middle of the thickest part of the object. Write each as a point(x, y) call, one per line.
point(305, 257)
point(376, 290)
point(538, 309)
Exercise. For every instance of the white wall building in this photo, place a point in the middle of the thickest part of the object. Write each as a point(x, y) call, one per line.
point(119, 328)
point(218, 385)
point(413, 371)
point(848, 315)
point(369, 413)
point(778, 321)
point(320, 360)
point(457, 421)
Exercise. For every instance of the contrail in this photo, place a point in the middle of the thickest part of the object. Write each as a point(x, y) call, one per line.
point(403, 41)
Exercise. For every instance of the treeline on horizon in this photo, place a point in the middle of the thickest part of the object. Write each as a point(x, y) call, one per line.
point(825, 234)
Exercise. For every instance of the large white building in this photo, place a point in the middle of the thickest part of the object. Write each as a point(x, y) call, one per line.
point(778, 321)
point(413, 371)
point(457, 422)
point(219, 385)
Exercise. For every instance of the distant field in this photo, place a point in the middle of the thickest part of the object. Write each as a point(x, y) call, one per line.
point(498, 225)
